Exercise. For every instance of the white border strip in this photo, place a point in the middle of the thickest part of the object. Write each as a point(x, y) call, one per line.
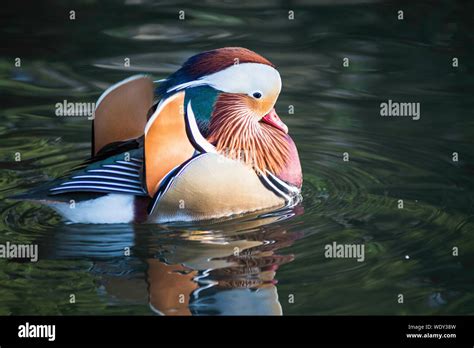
point(159, 108)
point(198, 138)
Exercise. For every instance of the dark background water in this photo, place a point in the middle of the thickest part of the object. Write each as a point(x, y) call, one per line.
point(281, 265)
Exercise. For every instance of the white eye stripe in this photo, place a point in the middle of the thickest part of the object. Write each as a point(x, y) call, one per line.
point(193, 83)
point(245, 78)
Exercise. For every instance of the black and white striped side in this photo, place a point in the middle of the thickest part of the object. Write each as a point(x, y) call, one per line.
point(279, 187)
point(117, 177)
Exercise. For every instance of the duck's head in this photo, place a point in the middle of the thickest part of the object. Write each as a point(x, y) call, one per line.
point(232, 92)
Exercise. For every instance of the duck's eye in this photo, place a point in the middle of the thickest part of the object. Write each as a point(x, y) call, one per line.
point(257, 95)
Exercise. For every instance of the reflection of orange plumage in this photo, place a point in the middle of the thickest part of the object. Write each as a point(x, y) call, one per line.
point(170, 287)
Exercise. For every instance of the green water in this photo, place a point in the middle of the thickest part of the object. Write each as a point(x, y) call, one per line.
point(280, 266)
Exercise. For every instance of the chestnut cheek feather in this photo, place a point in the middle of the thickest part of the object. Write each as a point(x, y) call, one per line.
point(236, 132)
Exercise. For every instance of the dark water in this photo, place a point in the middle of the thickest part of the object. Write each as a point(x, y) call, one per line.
point(280, 266)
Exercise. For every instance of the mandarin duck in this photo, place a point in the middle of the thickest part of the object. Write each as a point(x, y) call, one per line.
point(204, 143)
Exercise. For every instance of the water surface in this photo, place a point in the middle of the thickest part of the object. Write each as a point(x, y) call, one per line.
point(279, 266)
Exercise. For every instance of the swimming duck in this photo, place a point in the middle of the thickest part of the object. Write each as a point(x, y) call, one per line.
point(204, 143)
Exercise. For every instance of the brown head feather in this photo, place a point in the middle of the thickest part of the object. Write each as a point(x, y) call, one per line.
point(210, 62)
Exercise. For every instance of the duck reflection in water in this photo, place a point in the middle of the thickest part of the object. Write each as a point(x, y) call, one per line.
point(227, 268)
point(204, 273)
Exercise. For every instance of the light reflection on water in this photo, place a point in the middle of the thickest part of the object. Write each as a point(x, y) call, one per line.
point(255, 264)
